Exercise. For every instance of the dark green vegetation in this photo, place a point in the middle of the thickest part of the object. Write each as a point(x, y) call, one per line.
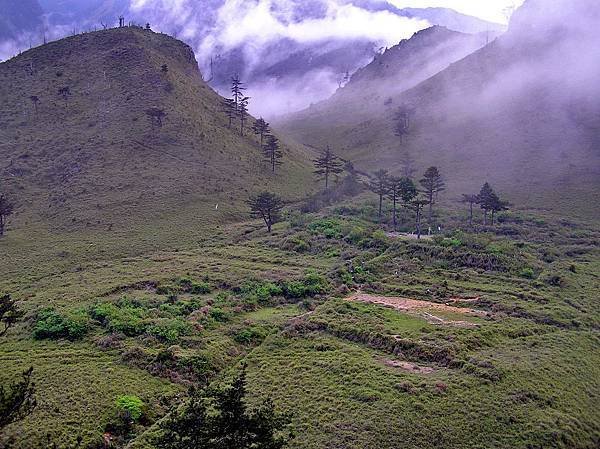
point(140, 276)
point(222, 420)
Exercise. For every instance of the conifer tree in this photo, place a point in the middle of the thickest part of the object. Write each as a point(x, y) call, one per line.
point(486, 200)
point(328, 164)
point(237, 91)
point(432, 184)
point(408, 164)
point(261, 128)
point(379, 184)
point(267, 206)
point(243, 113)
point(402, 122)
point(418, 205)
point(229, 110)
point(470, 200)
point(223, 420)
point(400, 189)
point(17, 399)
point(272, 151)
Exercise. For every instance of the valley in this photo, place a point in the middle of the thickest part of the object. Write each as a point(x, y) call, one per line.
point(413, 262)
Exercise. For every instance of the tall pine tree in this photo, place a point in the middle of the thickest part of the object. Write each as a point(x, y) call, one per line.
point(272, 151)
point(261, 128)
point(432, 184)
point(379, 184)
point(328, 164)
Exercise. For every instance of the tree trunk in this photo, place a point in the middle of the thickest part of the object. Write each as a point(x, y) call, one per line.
point(418, 224)
point(485, 217)
point(395, 221)
point(471, 215)
point(326, 179)
point(1, 225)
point(430, 206)
point(493, 213)
point(380, 206)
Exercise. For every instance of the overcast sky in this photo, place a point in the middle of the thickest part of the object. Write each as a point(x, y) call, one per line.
point(494, 10)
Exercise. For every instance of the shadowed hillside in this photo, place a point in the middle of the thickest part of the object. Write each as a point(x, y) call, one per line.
point(521, 112)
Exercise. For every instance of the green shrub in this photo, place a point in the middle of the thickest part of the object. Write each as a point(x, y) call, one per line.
point(260, 291)
point(527, 273)
point(356, 235)
point(251, 334)
point(451, 243)
point(51, 325)
point(130, 408)
point(312, 284)
point(169, 330)
point(218, 315)
point(124, 317)
point(329, 228)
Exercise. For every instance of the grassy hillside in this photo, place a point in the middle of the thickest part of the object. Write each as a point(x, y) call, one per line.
point(517, 113)
point(90, 166)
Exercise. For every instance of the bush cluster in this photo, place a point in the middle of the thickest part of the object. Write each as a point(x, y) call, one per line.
point(52, 325)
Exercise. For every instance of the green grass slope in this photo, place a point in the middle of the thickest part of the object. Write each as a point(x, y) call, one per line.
point(93, 168)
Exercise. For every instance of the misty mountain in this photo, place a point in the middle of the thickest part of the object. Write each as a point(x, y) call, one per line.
point(371, 89)
point(306, 53)
point(522, 111)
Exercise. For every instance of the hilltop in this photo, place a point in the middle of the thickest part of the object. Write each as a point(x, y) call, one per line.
point(89, 161)
point(505, 113)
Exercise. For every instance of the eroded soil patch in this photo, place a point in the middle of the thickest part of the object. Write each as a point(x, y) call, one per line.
point(408, 366)
point(430, 311)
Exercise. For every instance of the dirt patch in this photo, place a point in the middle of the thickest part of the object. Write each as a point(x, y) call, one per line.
point(425, 309)
point(408, 366)
point(407, 236)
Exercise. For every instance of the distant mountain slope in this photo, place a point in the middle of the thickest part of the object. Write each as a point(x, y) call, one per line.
point(521, 112)
point(79, 150)
point(304, 52)
point(371, 89)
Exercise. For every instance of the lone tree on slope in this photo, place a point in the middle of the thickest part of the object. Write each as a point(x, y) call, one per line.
point(432, 184)
point(36, 101)
point(328, 164)
point(470, 200)
point(402, 122)
point(418, 205)
point(229, 109)
point(261, 128)
point(408, 164)
point(267, 206)
point(237, 90)
point(65, 93)
point(272, 151)
point(490, 203)
point(6, 210)
point(379, 184)
point(243, 113)
point(156, 116)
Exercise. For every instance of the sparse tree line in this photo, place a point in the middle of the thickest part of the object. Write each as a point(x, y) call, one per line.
point(236, 110)
point(402, 191)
